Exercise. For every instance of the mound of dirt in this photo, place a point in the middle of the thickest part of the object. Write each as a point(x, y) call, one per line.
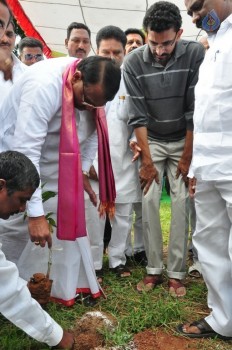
point(40, 288)
point(88, 329)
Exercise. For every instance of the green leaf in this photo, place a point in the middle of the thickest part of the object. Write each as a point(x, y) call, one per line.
point(51, 222)
point(47, 195)
point(49, 214)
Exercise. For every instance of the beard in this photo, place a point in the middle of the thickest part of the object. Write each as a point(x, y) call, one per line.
point(162, 59)
point(199, 24)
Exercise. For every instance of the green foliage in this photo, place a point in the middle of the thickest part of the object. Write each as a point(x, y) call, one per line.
point(46, 195)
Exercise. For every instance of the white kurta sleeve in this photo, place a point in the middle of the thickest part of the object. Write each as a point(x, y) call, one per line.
point(17, 306)
point(38, 105)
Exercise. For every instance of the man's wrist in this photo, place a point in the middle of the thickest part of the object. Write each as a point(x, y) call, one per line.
point(85, 173)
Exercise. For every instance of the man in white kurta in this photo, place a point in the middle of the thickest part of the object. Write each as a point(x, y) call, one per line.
point(111, 42)
point(212, 168)
point(127, 187)
point(30, 119)
point(126, 176)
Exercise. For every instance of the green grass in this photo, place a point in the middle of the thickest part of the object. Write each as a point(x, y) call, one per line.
point(135, 312)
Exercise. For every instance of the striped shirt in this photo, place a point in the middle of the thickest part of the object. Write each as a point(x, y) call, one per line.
point(162, 98)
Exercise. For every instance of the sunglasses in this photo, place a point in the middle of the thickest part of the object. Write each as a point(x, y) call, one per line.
point(37, 57)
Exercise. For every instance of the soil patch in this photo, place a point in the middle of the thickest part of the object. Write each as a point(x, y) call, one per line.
point(162, 340)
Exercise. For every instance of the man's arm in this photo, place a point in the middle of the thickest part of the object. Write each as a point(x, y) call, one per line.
point(185, 160)
point(137, 113)
point(147, 172)
point(38, 104)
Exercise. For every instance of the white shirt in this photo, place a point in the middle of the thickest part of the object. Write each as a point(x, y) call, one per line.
point(126, 173)
point(17, 305)
point(212, 148)
point(5, 86)
point(30, 119)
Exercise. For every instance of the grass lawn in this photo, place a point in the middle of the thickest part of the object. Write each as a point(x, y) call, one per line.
point(135, 312)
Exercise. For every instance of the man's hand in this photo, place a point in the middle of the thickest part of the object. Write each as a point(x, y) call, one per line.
point(147, 174)
point(135, 149)
point(182, 169)
point(93, 174)
point(6, 64)
point(192, 187)
point(67, 342)
point(39, 231)
point(185, 160)
point(89, 190)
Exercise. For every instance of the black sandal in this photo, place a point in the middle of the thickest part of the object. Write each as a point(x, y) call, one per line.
point(121, 270)
point(100, 275)
point(205, 330)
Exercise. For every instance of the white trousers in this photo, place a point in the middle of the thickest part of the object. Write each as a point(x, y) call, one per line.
point(192, 224)
point(138, 243)
point(213, 241)
point(95, 227)
point(121, 226)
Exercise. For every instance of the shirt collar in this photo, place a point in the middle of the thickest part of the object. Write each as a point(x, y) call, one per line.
point(226, 23)
point(16, 60)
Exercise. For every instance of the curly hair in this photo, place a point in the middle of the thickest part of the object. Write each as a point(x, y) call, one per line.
point(162, 16)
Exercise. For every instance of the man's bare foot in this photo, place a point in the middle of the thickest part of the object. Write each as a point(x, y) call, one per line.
point(176, 288)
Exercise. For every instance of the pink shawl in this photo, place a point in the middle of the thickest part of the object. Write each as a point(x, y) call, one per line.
point(71, 208)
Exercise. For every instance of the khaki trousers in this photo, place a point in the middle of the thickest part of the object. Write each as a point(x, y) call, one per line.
point(166, 155)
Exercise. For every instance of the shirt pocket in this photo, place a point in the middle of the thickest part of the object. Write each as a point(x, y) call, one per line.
point(122, 107)
point(223, 69)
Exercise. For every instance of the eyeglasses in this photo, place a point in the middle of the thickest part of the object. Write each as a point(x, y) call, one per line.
point(88, 106)
point(37, 57)
point(165, 45)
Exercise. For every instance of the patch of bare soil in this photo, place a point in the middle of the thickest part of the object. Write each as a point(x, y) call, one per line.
point(161, 340)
